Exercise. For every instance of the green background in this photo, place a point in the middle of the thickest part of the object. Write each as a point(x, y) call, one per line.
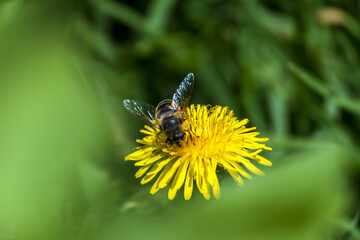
point(291, 67)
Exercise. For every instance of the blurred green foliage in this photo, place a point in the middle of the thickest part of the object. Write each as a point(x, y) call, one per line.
point(291, 67)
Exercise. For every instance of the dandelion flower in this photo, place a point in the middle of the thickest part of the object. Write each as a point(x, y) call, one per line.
point(214, 137)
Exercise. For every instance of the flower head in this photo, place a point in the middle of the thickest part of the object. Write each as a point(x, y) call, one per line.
point(214, 137)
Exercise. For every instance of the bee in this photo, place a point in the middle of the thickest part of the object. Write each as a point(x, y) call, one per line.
point(169, 114)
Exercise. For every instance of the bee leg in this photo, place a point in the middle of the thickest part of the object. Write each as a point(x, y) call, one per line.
point(178, 137)
point(169, 140)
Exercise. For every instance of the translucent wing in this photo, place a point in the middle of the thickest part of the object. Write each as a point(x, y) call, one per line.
point(142, 110)
point(182, 95)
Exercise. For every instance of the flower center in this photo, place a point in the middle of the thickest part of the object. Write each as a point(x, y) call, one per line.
point(208, 130)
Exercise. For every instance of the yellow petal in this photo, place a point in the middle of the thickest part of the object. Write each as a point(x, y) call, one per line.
point(262, 139)
point(236, 177)
point(179, 178)
point(252, 168)
point(216, 189)
point(155, 187)
point(146, 132)
point(140, 154)
point(168, 173)
point(244, 130)
point(210, 170)
point(154, 171)
point(245, 153)
point(172, 193)
point(206, 188)
point(189, 182)
point(262, 161)
point(150, 160)
point(150, 129)
point(142, 170)
point(239, 169)
point(241, 123)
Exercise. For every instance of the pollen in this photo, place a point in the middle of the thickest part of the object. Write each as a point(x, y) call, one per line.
point(214, 137)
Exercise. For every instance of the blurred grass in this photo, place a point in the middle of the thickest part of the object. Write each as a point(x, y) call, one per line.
point(291, 67)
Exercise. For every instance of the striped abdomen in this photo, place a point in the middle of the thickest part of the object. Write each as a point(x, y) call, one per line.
point(169, 117)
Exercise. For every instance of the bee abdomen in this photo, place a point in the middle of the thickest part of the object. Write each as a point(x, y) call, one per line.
point(171, 125)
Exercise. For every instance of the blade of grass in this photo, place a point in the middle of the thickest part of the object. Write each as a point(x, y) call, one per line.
point(352, 105)
point(277, 24)
point(309, 80)
point(352, 26)
point(158, 15)
point(122, 13)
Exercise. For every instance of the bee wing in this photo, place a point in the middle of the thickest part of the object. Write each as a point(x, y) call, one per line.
point(182, 95)
point(142, 110)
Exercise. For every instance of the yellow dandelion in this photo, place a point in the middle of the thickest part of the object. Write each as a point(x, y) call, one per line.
point(214, 137)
